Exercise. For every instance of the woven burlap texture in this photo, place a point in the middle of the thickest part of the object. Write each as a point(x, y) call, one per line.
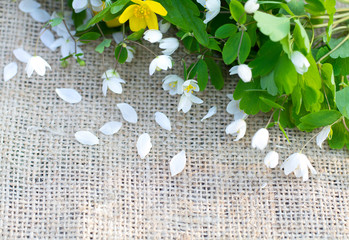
point(52, 187)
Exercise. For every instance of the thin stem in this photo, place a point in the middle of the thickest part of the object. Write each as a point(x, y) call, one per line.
point(334, 23)
point(66, 27)
point(308, 141)
point(100, 30)
point(117, 60)
point(242, 35)
point(345, 125)
point(335, 16)
point(143, 47)
point(328, 103)
point(271, 116)
point(196, 63)
point(333, 49)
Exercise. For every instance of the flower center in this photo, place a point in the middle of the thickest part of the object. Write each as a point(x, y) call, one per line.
point(172, 84)
point(141, 12)
point(190, 88)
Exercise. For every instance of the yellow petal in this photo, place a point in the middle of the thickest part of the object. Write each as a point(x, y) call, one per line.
point(156, 7)
point(152, 21)
point(137, 24)
point(127, 14)
point(138, 1)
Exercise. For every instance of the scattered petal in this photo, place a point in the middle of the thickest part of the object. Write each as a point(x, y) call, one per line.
point(10, 70)
point(163, 121)
point(28, 6)
point(211, 112)
point(177, 163)
point(69, 95)
point(144, 145)
point(40, 15)
point(128, 112)
point(22, 55)
point(86, 137)
point(110, 128)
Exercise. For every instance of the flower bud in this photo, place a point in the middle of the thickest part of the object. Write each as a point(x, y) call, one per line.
point(251, 6)
point(152, 35)
point(271, 159)
point(260, 139)
point(300, 62)
point(243, 71)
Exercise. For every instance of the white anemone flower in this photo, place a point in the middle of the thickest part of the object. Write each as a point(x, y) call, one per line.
point(237, 128)
point(323, 135)
point(112, 81)
point(212, 7)
point(271, 159)
point(173, 84)
point(164, 26)
point(300, 62)
point(60, 29)
point(37, 64)
point(169, 45)
point(243, 71)
point(234, 109)
point(251, 6)
point(81, 5)
point(162, 62)
point(299, 164)
point(188, 98)
point(260, 139)
point(67, 45)
point(152, 35)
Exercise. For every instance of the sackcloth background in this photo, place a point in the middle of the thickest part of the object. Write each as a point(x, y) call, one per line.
point(52, 187)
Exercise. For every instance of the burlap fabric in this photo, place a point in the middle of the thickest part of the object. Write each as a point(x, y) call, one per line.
point(52, 187)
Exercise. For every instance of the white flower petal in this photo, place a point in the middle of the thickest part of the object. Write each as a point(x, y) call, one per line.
point(105, 88)
point(10, 70)
point(97, 5)
point(271, 159)
point(164, 27)
point(118, 37)
point(80, 5)
point(22, 55)
point(57, 43)
point(184, 104)
point(69, 95)
point(128, 112)
point(110, 128)
point(177, 163)
point(230, 96)
point(144, 145)
point(40, 15)
point(163, 121)
point(114, 86)
point(47, 38)
point(152, 35)
point(260, 139)
point(28, 6)
point(211, 112)
point(86, 137)
point(322, 136)
point(152, 66)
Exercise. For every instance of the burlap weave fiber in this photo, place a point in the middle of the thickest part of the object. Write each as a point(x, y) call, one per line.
point(52, 187)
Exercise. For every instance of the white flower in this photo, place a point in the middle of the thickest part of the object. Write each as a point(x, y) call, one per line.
point(323, 135)
point(10, 70)
point(260, 139)
point(162, 62)
point(60, 29)
point(152, 35)
point(271, 159)
point(212, 111)
point(112, 80)
point(299, 164)
point(37, 64)
point(238, 128)
point(81, 5)
point(234, 109)
point(164, 27)
point(187, 98)
point(67, 45)
point(163, 121)
point(243, 71)
point(169, 44)
point(144, 145)
point(130, 53)
point(177, 163)
point(300, 62)
point(251, 6)
point(173, 84)
point(212, 8)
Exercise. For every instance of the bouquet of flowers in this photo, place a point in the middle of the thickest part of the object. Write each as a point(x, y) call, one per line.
point(292, 58)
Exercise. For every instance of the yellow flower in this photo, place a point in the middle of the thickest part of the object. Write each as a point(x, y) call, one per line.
point(142, 14)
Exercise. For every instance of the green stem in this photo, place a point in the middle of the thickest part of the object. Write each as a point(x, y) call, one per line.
point(333, 49)
point(334, 23)
point(242, 35)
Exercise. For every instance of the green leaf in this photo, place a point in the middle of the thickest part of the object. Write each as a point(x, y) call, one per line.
point(275, 27)
point(231, 48)
point(191, 44)
point(237, 11)
point(90, 36)
point(226, 30)
point(216, 75)
point(202, 74)
point(340, 136)
point(297, 99)
point(328, 78)
point(271, 103)
point(118, 6)
point(245, 47)
point(321, 118)
point(136, 35)
point(213, 44)
point(78, 18)
point(268, 56)
point(56, 21)
point(121, 54)
point(286, 45)
point(342, 51)
point(342, 101)
point(185, 15)
point(341, 66)
point(285, 76)
point(268, 83)
point(99, 17)
point(301, 38)
point(315, 7)
point(297, 7)
point(102, 45)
